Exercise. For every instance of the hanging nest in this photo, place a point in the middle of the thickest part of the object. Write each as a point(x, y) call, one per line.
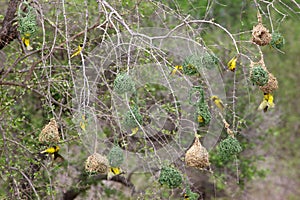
point(190, 195)
point(193, 63)
point(259, 76)
point(190, 64)
point(209, 60)
point(96, 163)
point(197, 156)
point(202, 114)
point(260, 34)
point(277, 40)
point(170, 176)
point(27, 24)
point(133, 118)
point(115, 156)
point(271, 85)
point(50, 134)
point(229, 147)
point(123, 83)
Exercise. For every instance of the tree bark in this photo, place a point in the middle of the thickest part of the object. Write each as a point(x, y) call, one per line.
point(8, 30)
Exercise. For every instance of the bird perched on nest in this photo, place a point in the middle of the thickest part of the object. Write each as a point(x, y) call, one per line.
point(53, 151)
point(26, 41)
point(268, 102)
point(114, 171)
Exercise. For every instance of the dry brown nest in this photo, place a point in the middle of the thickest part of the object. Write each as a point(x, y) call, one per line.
point(197, 156)
point(260, 34)
point(272, 84)
point(50, 134)
point(96, 163)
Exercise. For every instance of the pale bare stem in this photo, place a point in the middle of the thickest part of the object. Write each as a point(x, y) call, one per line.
point(259, 7)
point(28, 180)
point(221, 27)
point(297, 4)
point(55, 26)
point(44, 57)
point(68, 46)
point(226, 125)
point(17, 188)
point(270, 17)
point(233, 100)
point(86, 86)
point(118, 17)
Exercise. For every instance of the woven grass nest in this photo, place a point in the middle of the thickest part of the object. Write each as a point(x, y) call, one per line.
point(260, 34)
point(50, 134)
point(96, 163)
point(197, 156)
point(272, 83)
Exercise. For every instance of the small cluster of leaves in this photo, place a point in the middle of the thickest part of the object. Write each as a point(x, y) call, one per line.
point(170, 176)
point(259, 76)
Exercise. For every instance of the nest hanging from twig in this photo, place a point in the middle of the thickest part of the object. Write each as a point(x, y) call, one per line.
point(197, 156)
point(50, 134)
point(96, 163)
point(260, 34)
point(271, 85)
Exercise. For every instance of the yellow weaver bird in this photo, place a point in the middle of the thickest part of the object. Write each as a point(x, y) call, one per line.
point(186, 197)
point(232, 64)
point(200, 119)
point(134, 131)
point(268, 102)
point(114, 171)
point(83, 123)
point(53, 151)
point(218, 102)
point(26, 41)
point(177, 68)
point(78, 50)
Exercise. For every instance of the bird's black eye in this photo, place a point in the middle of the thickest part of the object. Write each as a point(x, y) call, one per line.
point(81, 45)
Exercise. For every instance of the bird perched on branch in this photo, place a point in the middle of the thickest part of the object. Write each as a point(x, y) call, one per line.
point(78, 50)
point(176, 69)
point(232, 64)
point(218, 102)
